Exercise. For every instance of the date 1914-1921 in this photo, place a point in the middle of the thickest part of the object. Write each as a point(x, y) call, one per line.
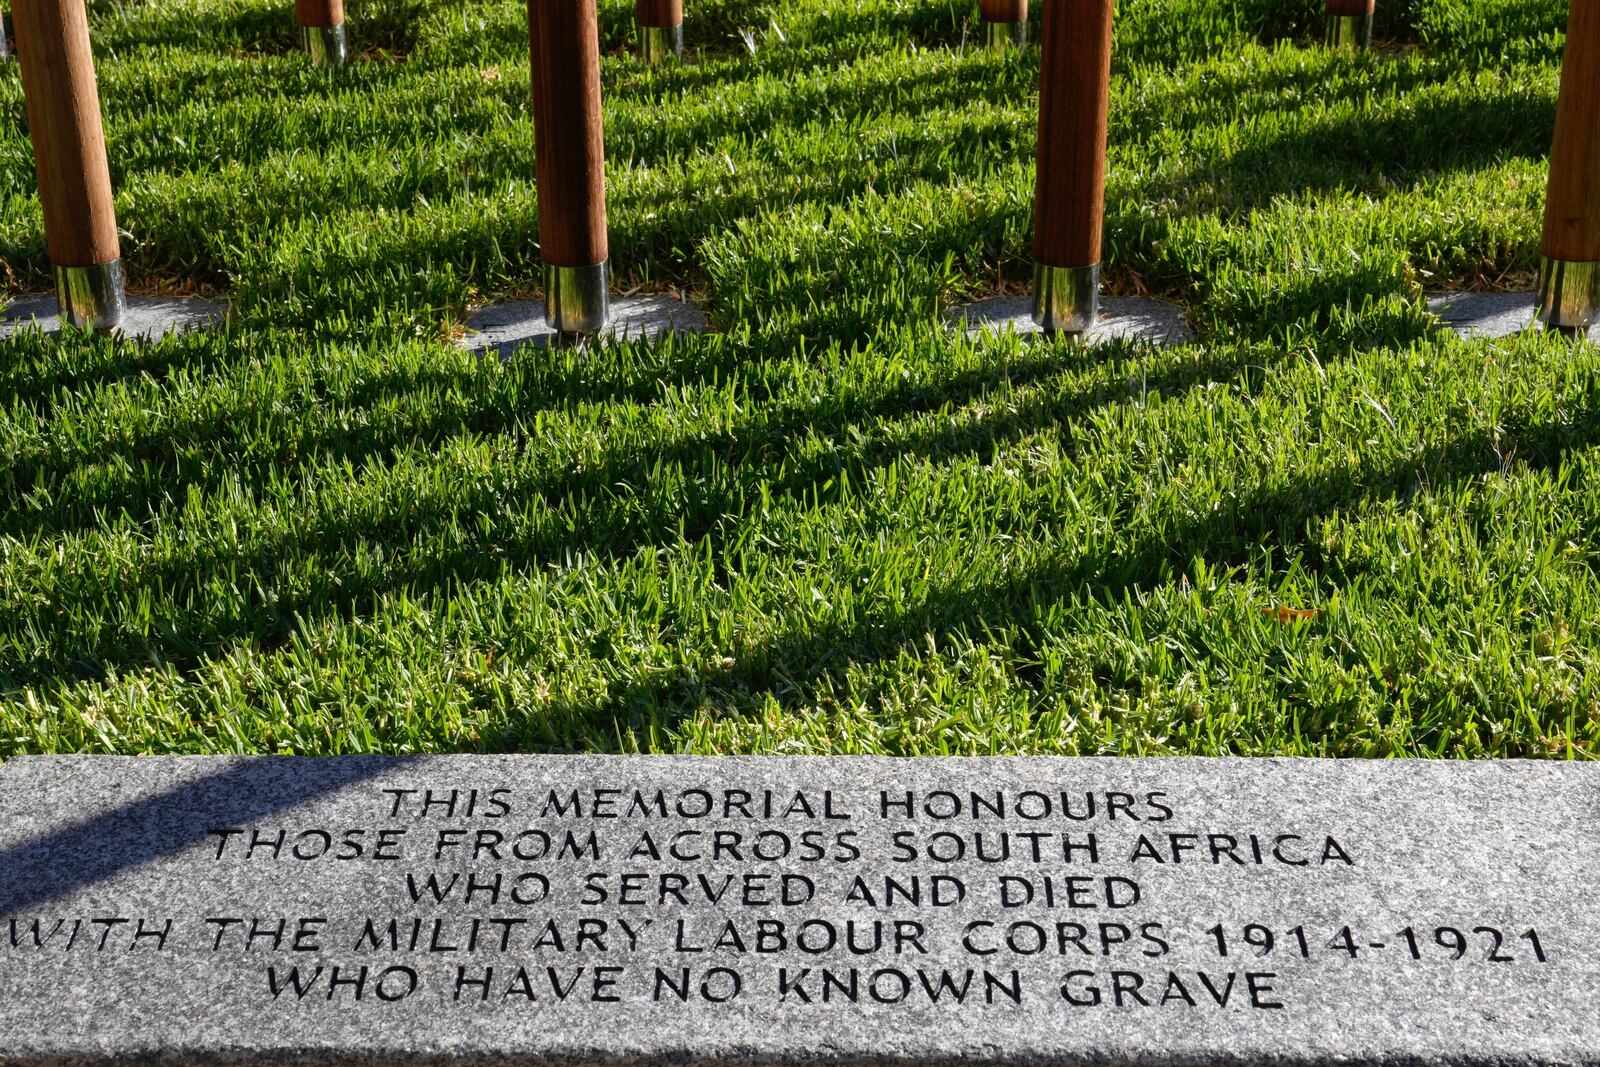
point(1486, 943)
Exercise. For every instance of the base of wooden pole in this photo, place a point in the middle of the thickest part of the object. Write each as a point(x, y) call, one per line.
point(504, 329)
point(577, 299)
point(92, 298)
point(658, 44)
point(325, 45)
point(1569, 294)
point(1473, 315)
point(1066, 299)
point(1002, 36)
point(1353, 32)
point(1495, 315)
point(1143, 320)
point(144, 318)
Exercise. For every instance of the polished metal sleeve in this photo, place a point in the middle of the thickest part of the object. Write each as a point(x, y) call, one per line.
point(1569, 294)
point(999, 36)
point(577, 299)
point(657, 44)
point(1349, 31)
point(92, 298)
point(1066, 299)
point(325, 45)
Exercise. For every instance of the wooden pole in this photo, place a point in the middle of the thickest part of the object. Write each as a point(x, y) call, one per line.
point(660, 29)
point(1005, 23)
point(1069, 194)
point(69, 154)
point(322, 32)
point(1569, 276)
point(1350, 23)
point(564, 43)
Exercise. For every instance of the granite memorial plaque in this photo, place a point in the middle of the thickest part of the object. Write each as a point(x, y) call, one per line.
point(734, 911)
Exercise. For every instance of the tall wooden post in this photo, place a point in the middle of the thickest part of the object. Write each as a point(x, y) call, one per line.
point(1005, 23)
point(1069, 195)
point(1350, 23)
point(69, 154)
point(1569, 275)
point(569, 146)
point(660, 28)
point(322, 31)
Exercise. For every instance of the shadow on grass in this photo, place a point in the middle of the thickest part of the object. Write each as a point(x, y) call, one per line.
point(712, 71)
point(654, 233)
point(1271, 518)
point(253, 28)
point(135, 475)
point(1386, 152)
point(680, 215)
point(1398, 149)
point(123, 26)
point(585, 508)
point(143, 469)
point(717, 29)
point(846, 97)
point(84, 365)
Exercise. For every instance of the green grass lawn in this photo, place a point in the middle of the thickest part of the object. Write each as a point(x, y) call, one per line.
point(830, 526)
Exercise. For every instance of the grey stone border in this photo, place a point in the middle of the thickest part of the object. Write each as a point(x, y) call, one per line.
point(1489, 315)
point(148, 318)
point(515, 324)
point(1146, 319)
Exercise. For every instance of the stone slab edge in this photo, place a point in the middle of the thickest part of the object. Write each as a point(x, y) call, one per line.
point(1509, 843)
point(148, 318)
point(504, 328)
point(1146, 319)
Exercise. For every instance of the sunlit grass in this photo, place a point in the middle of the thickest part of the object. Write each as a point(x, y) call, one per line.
point(831, 526)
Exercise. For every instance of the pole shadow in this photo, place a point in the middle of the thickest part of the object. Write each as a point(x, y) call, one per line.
point(586, 508)
point(85, 852)
point(1269, 518)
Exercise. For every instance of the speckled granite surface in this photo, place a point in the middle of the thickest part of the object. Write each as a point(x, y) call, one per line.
point(592, 910)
